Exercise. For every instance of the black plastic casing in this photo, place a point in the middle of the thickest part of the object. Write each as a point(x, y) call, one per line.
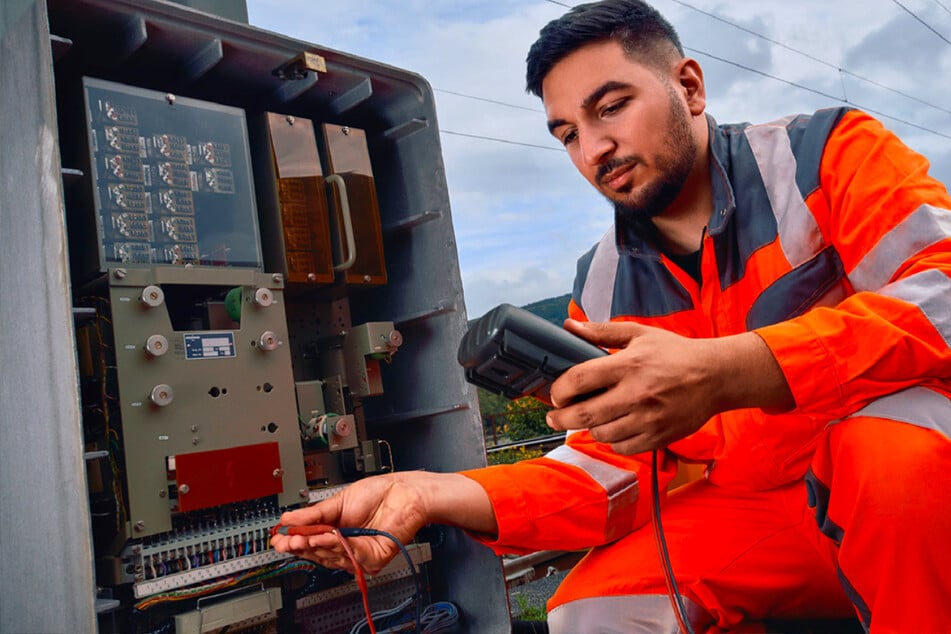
point(513, 352)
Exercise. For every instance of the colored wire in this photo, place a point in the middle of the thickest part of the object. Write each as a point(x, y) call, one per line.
point(381, 614)
point(439, 617)
point(372, 532)
point(361, 579)
point(221, 584)
point(673, 592)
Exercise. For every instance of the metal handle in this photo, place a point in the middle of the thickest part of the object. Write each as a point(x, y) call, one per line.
point(347, 223)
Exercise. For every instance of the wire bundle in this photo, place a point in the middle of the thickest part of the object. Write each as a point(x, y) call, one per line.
point(222, 584)
point(438, 618)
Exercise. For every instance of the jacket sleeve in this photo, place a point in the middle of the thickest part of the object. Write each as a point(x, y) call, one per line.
point(890, 225)
point(577, 496)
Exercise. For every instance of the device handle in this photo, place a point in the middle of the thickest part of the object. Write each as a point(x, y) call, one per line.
point(337, 180)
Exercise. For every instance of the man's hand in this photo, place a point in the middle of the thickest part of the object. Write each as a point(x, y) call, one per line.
point(399, 504)
point(382, 503)
point(660, 387)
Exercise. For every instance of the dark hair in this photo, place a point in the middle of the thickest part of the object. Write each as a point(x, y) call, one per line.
point(634, 24)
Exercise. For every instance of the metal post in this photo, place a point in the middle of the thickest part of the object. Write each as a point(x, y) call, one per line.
point(45, 549)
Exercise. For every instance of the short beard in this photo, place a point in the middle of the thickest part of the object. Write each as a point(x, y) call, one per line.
point(657, 197)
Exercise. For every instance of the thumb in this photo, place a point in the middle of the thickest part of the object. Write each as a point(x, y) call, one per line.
point(325, 512)
point(606, 334)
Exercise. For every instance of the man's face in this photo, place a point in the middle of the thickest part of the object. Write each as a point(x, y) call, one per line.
point(624, 126)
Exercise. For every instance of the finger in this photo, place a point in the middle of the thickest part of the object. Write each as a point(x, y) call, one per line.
point(628, 435)
point(584, 382)
point(324, 512)
point(337, 562)
point(605, 334)
point(597, 409)
point(632, 446)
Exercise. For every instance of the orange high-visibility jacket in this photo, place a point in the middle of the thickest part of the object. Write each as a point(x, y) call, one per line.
point(829, 239)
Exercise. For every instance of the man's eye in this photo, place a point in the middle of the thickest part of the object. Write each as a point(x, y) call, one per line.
point(612, 108)
point(569, 137)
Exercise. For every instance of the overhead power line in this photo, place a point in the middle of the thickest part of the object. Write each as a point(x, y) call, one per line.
point(844, 98)
point(927, 26)
point(498, 140)
point(810, 56)
point(476, 97)
point(821, 93)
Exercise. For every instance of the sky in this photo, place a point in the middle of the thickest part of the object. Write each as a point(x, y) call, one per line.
point(521, 213)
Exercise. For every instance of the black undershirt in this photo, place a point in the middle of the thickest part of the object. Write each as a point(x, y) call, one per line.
point(689, 262)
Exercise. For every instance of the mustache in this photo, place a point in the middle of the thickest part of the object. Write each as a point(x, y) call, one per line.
point(612, 164)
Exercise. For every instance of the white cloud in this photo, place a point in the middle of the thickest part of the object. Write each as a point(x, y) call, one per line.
point(523, 215)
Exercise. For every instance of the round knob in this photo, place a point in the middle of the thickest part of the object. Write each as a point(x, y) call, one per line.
point(156, 345)
point(343, 427)
point(161, 395)
point(268, 341)
point(263, 297)
point(336, 426)
point(152, 296)
point(395, 338)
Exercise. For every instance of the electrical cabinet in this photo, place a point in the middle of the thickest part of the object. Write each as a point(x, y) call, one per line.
point(240, 249)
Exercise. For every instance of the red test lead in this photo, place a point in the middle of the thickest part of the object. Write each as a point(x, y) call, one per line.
point(312, 529)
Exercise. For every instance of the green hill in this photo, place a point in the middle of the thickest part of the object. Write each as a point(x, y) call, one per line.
point(553, 309)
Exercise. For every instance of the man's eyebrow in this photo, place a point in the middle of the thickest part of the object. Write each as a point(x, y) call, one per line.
point(601, 91)
point(555, 123)
point(590, 100)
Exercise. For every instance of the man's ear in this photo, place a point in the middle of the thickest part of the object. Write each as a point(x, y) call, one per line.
point(690, 82)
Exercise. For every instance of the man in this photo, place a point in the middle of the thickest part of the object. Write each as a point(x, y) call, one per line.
point(778, 296)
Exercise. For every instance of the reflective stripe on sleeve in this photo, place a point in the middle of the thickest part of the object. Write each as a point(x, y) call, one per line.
point(620, 485)
point(598, 293)
point(624, 614)
point(915, 406)
point(930, 291)
point(924, 227)
point(799, 234)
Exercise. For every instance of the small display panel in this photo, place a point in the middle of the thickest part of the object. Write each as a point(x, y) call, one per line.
point(171, 179)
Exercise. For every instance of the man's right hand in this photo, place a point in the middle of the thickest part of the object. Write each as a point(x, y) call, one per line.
point(399, 503)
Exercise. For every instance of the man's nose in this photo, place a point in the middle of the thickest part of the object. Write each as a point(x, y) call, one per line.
point(596, 147)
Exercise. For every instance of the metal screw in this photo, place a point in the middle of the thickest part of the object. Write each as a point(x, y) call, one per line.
point(120, 274)
point(367, 278)
point(311, 277)
point(304, 493)
point(196, 440)
point(170, 98)
point(183, 489)
point(346, 131)
point(278, 278)
point(162, 493)
point(278, 473)
point(290, 119)
point(140, 525)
